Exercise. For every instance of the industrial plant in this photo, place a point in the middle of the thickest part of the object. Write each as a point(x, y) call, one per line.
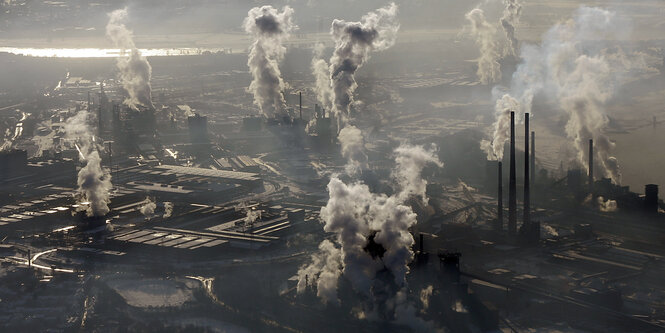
point(301, 166)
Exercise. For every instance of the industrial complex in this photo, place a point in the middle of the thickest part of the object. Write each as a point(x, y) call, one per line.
point(338, 181)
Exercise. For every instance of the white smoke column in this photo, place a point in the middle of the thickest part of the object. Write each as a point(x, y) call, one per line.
point(94, 185)
point(547, 232)
point(501, 127)
point(168, 209)
point(607, 206)
point(325, 269)
point(484, 33)
point(352, 144)
point(573, 69)
point(270, 29)
point(425, 295)
point(510, 19)
point(354, 215)
point(135, 71)
point(585, 83)
point(321, 72)
point(148, 208)
point(94, 182)
point(411, 160)
point(251, 216)
point(354, 41)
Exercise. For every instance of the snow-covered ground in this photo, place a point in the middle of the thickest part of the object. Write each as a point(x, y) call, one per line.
point(152, 292)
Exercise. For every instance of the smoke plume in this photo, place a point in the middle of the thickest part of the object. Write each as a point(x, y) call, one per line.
point(94, 182)
point(510, 18)
point(354, 41)
point(135, 71)
point(371, 237)
point(353, 149)
point(148, 208)
point(410, 162)
point(501, 127)
point(94, 185)
point(269, 28)
point(572, 67)
point(607, 206)
point(168, 209)
point(484, 33)
point(321, 71)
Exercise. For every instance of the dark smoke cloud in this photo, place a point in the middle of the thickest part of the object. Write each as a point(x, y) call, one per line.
point(135, 71)
point(270, 29)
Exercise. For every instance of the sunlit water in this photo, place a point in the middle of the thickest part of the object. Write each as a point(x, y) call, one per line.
point(104, 53)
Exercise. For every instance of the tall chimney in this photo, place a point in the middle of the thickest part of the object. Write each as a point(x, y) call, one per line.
point(422, 245)
point(591, 166)
point(499, 217)
point(300, 95)
point(532, 178)
point(527, 174)
point(512, 186)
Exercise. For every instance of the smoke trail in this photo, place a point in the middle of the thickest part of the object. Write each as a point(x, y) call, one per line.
point(607, 206)
point(573, 69)
point(269, 28)
point(94, 182)
point(510, 18)
point(353, 149)
point(489, 69)
point(168, 209)
point(354, 41)
point(584, 83)
point(410, 162)
point(321, 71)
point(325, 269)
point(148, 208)
point(94, 185)
point(135, 71)
point(501, 127)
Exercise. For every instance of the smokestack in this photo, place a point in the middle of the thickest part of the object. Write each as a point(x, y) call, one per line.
point(532, 177)
point(591, 166)
point(422, 246)
point(651, 198)
point(499, 222)
point(512, 186)
point(300, 96)
point(527, 174)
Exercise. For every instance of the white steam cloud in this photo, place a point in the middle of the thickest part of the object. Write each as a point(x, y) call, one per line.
point(269, 28)
point(484, 33)
point(607, 206)
point(410, 161)
point(354, 41)
point(352, 144)
point(135, 71)
point(371, 237)
point(571, 67)
point(148, 208)
point(510, 18)
point(168, 209)
point(94, 182)
point(321, 72)
point(501, 127)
